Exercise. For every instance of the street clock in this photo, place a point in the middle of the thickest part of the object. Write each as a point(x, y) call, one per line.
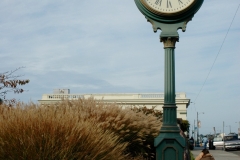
point(169, 16)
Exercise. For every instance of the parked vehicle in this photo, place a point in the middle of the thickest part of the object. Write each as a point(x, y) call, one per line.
point(231, 142)
point(217, 142)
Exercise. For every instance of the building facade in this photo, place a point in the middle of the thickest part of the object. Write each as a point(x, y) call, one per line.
point(124, 99)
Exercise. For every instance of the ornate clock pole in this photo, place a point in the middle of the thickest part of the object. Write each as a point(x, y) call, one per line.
point(169, 16)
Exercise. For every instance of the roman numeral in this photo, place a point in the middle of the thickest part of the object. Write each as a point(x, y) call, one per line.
point(179, 1)
point(169, 5)
point(158, 2)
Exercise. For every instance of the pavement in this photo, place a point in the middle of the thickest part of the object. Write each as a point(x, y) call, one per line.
point(218, 154)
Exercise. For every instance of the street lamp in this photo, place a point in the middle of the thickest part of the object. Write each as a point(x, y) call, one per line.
point(197, 145)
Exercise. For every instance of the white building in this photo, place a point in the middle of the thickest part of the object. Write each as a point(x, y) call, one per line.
point(124, 99)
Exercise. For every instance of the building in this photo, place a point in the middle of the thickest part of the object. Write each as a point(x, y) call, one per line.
point(124, 99)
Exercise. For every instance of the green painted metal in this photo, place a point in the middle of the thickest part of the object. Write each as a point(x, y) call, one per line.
point(169, 30)
point(169, 77)
point(169, 144)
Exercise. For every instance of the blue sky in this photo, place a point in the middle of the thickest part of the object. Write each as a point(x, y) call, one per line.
point(108, 47)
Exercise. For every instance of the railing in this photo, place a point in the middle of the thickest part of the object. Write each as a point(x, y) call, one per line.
point(161, 95)
point(151, 96)
point(63, 96)
point(111, 96)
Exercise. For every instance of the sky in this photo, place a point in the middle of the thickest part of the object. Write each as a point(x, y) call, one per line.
point(108, 47)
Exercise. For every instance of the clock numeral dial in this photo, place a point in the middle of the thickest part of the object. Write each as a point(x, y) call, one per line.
point(158, 2)
point(168, 6)
point(180, 2)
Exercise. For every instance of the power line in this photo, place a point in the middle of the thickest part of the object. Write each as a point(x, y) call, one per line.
point(217, 54)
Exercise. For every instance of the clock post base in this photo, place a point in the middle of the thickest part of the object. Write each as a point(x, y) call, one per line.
point(169, 146)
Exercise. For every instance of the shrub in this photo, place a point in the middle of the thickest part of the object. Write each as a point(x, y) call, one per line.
point(192, 156)
point(148, 111)
point(153, 112)
point(54, 133)
point(79, 129)
point(135, 128)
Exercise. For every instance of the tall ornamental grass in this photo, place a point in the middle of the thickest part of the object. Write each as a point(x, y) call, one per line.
point(54, 134)
point(81, 129)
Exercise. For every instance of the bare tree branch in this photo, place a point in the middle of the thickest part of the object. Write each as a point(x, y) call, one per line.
point(9, 82)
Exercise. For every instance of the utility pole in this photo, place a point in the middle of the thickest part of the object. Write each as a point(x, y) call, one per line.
point(197, 131)
point(223, 137)
point(198, 128)
point(194, 134)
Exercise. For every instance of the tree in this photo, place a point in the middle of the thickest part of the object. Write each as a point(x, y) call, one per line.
point(148, 111)
point(185, 126)
point(9, 82)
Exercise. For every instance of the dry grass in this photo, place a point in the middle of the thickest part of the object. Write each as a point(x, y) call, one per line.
point(82, 129)
point(54, 133)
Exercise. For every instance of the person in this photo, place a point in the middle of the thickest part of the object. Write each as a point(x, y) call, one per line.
point(205, 141)
point(204, 155)
point(191, 143)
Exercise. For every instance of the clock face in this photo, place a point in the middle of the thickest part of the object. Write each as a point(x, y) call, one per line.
point(167, 7)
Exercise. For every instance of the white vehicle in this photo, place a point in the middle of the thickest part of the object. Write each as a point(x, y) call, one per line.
point(217, 142)
point(231, 142)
